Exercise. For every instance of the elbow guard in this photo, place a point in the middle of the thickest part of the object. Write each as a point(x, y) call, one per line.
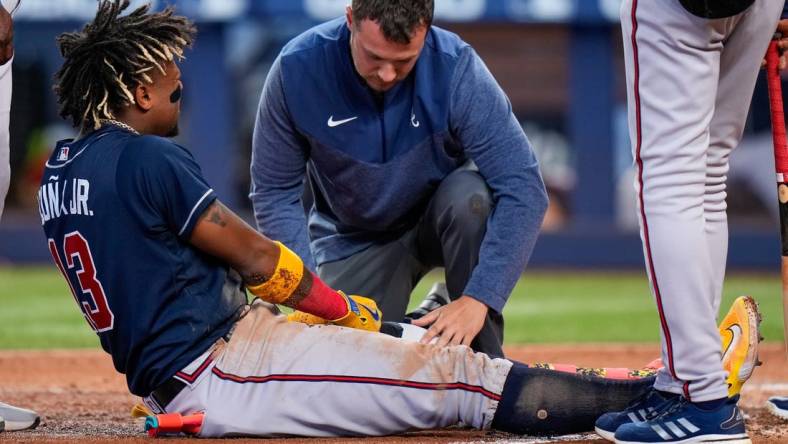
point(287, 277)
point(294, 286)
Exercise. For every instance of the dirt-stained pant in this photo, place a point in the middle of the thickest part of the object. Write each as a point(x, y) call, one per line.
point(689, 85)
point(277, 378)
point(449, 235)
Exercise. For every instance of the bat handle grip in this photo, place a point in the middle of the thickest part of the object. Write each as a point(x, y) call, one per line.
point(780, 163)
point(777, 113)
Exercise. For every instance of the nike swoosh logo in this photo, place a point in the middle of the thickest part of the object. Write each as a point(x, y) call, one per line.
point(375, 314)
point(736, 334)
point(332, 123)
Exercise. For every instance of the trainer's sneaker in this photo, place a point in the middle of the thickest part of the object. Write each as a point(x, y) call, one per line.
point(642, 408)
point(437, 297)
point(17, 418)
point(778, 405)
point(684, 422)
point(740, 338)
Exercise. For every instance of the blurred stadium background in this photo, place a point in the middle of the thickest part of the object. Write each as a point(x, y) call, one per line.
point(559, 61)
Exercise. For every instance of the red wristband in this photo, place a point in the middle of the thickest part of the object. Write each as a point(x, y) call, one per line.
point(322, 300)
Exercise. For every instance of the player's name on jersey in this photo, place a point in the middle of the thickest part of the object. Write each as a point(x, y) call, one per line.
point(57, 199)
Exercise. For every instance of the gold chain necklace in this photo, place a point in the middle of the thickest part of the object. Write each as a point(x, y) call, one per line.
point(119, 125)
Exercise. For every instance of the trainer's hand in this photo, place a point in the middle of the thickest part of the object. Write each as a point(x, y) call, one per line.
point(6, 36)
point(455, 323)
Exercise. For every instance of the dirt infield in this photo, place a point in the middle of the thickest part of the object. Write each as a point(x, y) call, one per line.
point(81, 398)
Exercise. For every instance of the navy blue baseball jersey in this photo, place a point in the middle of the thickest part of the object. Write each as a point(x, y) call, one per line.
point(118, 210)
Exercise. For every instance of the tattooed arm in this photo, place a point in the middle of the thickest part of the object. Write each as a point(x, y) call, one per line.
point(223, 234)
point(277, 275)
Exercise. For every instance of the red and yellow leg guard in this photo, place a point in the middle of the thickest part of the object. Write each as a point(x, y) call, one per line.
point(601, 372)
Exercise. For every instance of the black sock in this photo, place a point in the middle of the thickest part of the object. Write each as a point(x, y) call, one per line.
point(667, 395)
point(714, 404)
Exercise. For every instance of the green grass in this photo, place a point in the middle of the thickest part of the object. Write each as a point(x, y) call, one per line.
point(37, 310)
point(578, 306)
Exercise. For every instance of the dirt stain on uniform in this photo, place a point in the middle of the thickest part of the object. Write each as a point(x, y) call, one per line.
point(412, 358)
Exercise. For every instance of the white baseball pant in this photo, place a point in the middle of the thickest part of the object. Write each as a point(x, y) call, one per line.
point(276, 378)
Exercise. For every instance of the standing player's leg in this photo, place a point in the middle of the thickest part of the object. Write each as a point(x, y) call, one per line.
point(451, 234)
point(11, 417)
point(671, 95)
point(674, 63)
point(739, 66)
point(278, 378)
point(5, 112)
point(740, 62)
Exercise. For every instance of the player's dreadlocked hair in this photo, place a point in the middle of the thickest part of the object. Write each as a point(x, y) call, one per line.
point(112, 55)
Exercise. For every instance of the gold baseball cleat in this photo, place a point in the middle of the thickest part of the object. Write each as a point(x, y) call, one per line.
point(740, 338)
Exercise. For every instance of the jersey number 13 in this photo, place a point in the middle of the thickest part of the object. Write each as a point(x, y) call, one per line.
point(87, 289)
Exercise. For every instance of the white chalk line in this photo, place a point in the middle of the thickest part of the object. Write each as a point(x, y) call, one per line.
point(767, 386)
point(532, 440)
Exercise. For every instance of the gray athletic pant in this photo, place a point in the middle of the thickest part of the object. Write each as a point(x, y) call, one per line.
point(689, 83)
point(5, 115)
point(448, 235)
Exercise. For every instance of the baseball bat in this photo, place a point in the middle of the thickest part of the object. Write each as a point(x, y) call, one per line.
point(780, 164)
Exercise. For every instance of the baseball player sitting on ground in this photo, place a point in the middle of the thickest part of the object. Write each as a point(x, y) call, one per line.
point(414, 159)
point(160, 269)
point(11, 418)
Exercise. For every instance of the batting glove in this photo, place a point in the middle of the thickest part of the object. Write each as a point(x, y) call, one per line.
point(363, 314)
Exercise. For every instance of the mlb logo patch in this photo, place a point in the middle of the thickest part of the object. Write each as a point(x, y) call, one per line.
point(63, 155)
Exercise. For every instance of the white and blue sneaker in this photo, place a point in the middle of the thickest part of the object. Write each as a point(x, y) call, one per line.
point(642, 408)
point(778, 406)
point(684, 422)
